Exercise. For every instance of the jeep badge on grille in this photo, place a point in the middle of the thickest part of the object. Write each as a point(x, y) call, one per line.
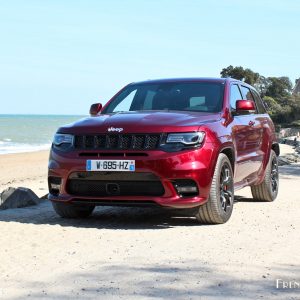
point(114, 129)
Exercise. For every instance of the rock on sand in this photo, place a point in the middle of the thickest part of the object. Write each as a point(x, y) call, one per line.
point(18, 197)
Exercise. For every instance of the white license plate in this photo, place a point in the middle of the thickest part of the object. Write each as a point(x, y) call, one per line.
point(110, 165)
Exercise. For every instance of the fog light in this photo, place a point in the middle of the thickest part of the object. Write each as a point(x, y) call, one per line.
point(186, 187)
point(54, 184)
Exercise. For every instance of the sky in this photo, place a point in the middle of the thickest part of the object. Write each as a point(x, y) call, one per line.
point(60, 56)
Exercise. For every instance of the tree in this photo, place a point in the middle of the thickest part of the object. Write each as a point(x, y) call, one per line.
point(262, 85)
point(240, 73)
point(279, 88)
point(276, 92)
point(273, 107)
point(279, 114)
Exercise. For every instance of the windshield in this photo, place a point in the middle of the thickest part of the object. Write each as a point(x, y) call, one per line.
point(192, 96)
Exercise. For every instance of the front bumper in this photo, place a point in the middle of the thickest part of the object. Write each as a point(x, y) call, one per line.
point(196, 165)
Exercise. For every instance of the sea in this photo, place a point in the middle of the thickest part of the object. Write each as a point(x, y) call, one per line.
point(27, 133)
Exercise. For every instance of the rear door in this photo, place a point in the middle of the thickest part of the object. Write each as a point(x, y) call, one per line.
point(265, 129)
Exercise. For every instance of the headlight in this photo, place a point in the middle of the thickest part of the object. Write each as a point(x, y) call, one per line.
point(186, 138)
point(60, 138)
point(182, 141)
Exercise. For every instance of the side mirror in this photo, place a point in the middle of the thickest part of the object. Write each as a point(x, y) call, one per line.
point(95, 109)
point(245, 106)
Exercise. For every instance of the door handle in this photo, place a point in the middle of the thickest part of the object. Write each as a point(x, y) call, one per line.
point(251, 123)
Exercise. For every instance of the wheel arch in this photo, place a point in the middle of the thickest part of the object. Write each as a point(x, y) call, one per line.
point(229, 152)
point(276, 148)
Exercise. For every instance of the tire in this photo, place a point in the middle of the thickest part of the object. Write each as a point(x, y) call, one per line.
point(71, 211)
point(267, 191)
point(218, 208)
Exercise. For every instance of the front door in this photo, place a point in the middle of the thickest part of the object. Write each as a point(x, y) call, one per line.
point(247, 139)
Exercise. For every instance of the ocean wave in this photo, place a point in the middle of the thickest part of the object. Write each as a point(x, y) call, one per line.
point(7, 147)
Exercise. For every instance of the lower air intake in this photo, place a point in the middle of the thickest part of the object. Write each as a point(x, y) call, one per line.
point(105, 184)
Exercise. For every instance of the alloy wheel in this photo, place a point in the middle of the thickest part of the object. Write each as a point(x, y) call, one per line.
point(226, 186)
point(274, 175)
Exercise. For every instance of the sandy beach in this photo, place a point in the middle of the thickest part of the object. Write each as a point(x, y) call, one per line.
point(135, 253)
point(25, 170)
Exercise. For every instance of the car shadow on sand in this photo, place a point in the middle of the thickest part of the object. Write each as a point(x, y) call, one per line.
point(108, 217)
point(119, 217)
point(102, 218)
point(289, 170)
point(190, 279)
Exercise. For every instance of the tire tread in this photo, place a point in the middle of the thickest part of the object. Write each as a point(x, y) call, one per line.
point(209, 212)
point(262, 192)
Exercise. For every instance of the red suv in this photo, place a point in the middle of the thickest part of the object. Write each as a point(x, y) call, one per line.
point(181, 143)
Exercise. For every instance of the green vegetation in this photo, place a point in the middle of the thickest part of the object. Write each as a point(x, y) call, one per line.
point(283, 106)
point(295, 123)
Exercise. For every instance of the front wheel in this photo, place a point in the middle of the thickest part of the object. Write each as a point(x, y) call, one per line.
point(268, 189)
point(218, 208)
point(71, 211)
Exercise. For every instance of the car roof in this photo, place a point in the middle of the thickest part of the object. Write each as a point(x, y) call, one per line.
point(190, 79)
point(184, 79)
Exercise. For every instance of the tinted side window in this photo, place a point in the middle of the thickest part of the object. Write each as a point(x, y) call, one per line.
point(235, 94)
point(259, 104)
point(246, 93)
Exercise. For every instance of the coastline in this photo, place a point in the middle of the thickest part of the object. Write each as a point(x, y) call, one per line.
point(30, 133)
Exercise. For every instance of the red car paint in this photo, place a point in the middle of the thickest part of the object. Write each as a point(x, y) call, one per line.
point(246, 138)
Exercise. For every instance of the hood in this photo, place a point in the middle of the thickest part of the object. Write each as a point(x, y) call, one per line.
point(144, 122)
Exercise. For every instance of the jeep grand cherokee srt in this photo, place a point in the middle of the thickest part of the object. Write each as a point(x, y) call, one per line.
point(179, 143)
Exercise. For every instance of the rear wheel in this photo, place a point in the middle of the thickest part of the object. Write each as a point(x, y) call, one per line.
point(68, 210)
point(268, 189)
point(218, 208)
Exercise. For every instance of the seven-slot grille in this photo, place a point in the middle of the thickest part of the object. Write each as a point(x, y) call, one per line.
point(118, 141)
